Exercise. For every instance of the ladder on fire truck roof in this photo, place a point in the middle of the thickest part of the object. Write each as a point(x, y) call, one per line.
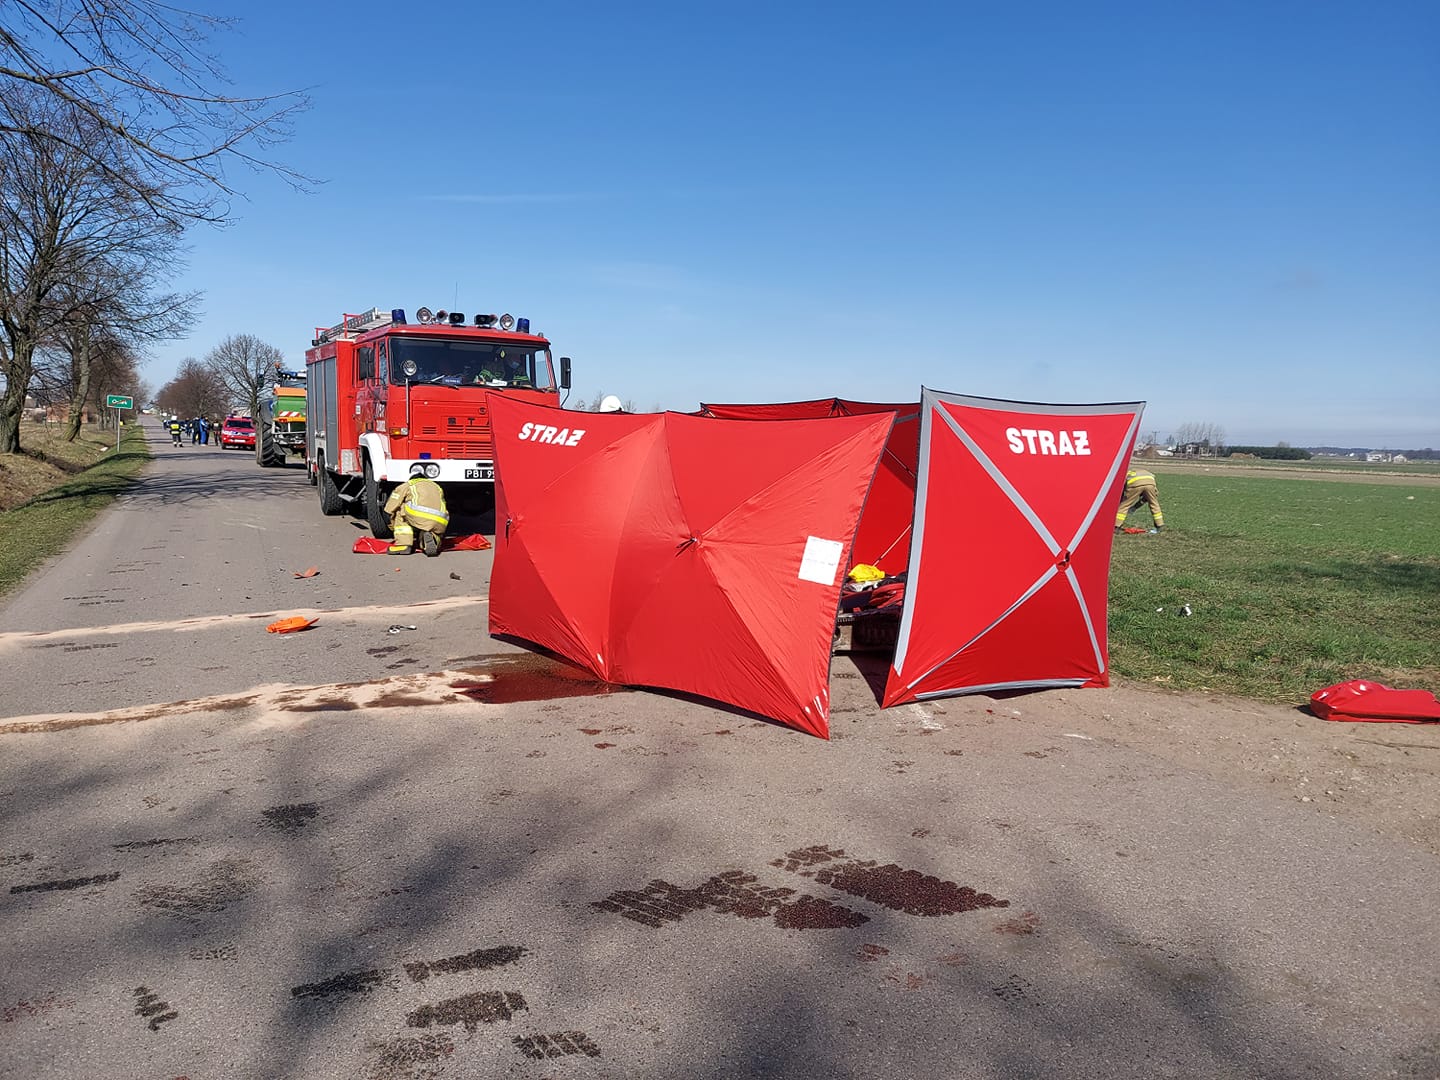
point(352, 324)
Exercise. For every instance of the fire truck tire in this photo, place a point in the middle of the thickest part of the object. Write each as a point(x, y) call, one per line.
point(330, 501)
point(375, 505)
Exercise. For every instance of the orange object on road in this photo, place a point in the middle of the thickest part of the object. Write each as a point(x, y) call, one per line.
point(290, 625)
point(311, 572)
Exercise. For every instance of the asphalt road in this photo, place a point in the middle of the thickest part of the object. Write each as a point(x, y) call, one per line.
point(356, 853)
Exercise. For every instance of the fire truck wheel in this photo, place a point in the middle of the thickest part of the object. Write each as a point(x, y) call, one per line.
point(330, 501)
point(375, 505)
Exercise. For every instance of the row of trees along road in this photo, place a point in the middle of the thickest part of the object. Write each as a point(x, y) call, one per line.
point(114, 139)
point(231, 376)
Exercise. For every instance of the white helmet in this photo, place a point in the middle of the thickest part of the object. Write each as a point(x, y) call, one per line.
point(610, 403)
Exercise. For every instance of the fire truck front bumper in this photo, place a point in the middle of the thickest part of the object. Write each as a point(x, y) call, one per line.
point(449, 471)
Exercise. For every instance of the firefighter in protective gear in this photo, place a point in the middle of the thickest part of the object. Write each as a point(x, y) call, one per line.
point(1140, 487)
point(418, 505)
point(174, 428)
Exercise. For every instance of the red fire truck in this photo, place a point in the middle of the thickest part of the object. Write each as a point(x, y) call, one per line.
point(390, 399)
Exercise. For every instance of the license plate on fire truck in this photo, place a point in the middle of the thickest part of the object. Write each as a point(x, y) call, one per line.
point(482, 472)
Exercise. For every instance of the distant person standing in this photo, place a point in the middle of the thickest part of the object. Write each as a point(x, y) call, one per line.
point(1140, 487)
point(174, 427)
point(204, 431)
point(195, 431)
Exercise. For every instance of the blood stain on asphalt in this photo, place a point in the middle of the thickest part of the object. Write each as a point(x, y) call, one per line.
point(351, 982)
point(479, 960)
point(870, 954)
point(557, 1044)
point(148, 1004)
point(290, 819)
point(396, 1059)
point(383, 650)
point(65, 885)
point(396, 699)
point(591, 730)
point(506, 680)
point(603, 745)
point(1026, 923)
point(889, 886)
point(223, 952)
point(136, 845)
point(472, 1010)
point(332, 704)
point(38, 1007)
point(219, 886)
point(733, 892)
point(812, 913)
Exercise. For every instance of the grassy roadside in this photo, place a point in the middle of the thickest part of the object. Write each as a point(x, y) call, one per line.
point(57, 488)
point(1293, 584)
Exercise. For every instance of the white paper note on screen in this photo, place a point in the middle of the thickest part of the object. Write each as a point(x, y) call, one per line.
point(821, 560)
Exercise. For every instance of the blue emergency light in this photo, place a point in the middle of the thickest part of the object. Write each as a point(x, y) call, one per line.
point(397, 316)
point(522, 326)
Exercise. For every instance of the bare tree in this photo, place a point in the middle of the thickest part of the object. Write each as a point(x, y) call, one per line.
point(196, 390)
point(244, 364)
point(1206, 436)
point(78, 253)
point(108, 314)
point(143, 74)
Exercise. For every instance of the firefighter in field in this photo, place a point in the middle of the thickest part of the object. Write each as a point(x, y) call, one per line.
point(1140, 487)
point(418, 505)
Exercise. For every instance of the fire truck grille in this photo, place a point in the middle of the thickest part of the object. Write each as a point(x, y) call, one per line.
point(467, 448)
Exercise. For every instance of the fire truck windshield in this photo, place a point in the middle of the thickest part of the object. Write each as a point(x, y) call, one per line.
point(447, 362)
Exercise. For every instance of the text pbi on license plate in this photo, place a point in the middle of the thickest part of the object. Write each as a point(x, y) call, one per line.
point(484, 472)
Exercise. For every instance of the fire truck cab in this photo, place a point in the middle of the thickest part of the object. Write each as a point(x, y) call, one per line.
point(390, 399)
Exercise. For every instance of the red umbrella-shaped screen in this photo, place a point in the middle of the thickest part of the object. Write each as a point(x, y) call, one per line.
point(1010, 558)
point(680, 552)
point(883, 536)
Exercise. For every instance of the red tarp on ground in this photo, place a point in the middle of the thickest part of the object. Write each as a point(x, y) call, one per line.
point(1010, 556)
point(1361, 700)
point(682, 552)
point(883, 538)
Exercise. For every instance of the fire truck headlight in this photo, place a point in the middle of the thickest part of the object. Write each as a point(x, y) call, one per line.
point(424, 314)
point(507, 321)
point(417, 470)
point(521, 326)
point(409, 368)
point(400, 432)
point(432, 470)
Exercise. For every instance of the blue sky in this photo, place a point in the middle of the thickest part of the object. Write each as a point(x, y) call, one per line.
point(1230, 210)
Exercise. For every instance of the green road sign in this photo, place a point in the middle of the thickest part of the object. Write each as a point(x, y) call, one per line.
point(115, 401)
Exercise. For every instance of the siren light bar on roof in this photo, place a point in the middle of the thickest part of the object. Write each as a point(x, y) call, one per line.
point(375, 318)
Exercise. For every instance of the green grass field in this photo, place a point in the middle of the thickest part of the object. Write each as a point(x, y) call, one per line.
point(1294, 584)
point(49, 521)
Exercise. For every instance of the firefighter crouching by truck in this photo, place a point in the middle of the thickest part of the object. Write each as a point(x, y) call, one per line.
point(418, 505)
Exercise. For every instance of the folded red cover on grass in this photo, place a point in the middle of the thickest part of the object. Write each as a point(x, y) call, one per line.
point(1363, 700)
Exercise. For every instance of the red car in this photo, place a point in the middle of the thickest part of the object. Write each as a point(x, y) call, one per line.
point(238, 431)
